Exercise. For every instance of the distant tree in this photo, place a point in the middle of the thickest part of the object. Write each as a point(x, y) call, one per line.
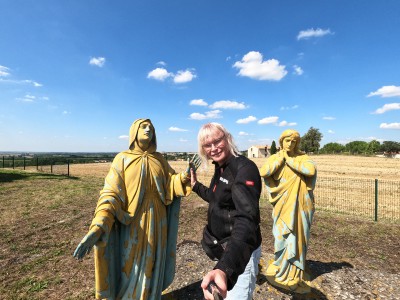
point(333, 148)
point(310, 141)
point(357, 147)
point(373, 147)
point(390, 146)
point(273, 149)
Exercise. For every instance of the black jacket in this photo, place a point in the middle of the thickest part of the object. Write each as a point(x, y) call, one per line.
point(233, 211)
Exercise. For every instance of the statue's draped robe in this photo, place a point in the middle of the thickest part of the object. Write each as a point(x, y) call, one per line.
point(291, 194)
point(138, 210)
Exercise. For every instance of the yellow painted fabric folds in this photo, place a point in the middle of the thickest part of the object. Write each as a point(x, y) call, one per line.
point(138, 210)
point(290, 184)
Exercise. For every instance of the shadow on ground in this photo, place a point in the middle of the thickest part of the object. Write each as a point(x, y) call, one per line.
point(192, 291)
point(10, 176)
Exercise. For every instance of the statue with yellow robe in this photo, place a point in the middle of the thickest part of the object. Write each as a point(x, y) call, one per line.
point(134, 229)
point(290, 177)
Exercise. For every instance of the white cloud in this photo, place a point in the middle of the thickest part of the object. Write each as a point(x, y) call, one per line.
point(184, 76)
point(329, 118)
point(289, 107)
point(285, 123)
point(390, 126)
point(331, 131)
point(309, 33)
point(199, 102)
point(268, 120)
point(246, 120)
point(65, 112)
point(242, 133)
point(228, 104)
point(387, 107)
point(124, 137)
point(386, 91)
point(183, 140)
point(253, 66)
point(161, 63)
point(176, 129)
point(159, 74)
point(4, 71)
point(27, 98)
point(97, 61)
point(298, 70)
point(213, 114)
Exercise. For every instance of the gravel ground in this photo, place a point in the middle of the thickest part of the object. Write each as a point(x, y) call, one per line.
point(330, 280)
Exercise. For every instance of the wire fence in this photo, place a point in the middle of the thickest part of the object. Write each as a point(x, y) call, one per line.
point(369, 198)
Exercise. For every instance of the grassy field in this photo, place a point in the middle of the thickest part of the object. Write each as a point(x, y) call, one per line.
point(43, 218)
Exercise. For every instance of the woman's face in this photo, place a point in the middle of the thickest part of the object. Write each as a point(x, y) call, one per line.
point(288, 144)
point(145, 132)
point(216, 147)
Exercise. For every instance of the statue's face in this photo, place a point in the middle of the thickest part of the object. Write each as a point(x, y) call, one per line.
point(289, 143)
point(145, 132)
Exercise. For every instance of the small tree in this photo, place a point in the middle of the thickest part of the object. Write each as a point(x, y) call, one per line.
point(310, 141)
point(273, 149)
point(333, 148)
point(373, 147)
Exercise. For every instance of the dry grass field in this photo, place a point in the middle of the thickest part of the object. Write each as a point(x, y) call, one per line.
point(44, 216)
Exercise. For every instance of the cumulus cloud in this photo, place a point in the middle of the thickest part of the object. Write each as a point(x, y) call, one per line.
point(184, 76)
point(242, 133)
point(310, 33)
point(331, 131)
point(386, 92)
point(97, 61)
point(253, 66)
point(298, 70)
point(199, 102)
point(328, 118)
point(4, 71)
point(268, 120)
point(228, 104)
point(162, 63)
point(387, 107)
point(285, 123)
point(124, 137)
point(246, 120)
point(213, 114)
point(289, 107)
point(176, 129)
point(159, 74)
point(390, 126)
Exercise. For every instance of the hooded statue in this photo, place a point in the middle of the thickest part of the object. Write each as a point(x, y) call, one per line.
point(138, 213)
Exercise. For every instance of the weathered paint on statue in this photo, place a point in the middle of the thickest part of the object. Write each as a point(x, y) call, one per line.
point(135, 224)
point(290, 177)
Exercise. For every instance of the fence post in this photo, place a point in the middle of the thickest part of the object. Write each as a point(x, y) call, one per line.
point(376, 200)
point(37, 163)
point(24, 162)
point(68, 167)
point(51, 167)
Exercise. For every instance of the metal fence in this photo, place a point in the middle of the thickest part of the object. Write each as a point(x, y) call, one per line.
point(368, 198)
point(55, 165)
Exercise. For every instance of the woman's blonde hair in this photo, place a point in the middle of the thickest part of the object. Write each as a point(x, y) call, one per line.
point(211, 129)
point(295, 135)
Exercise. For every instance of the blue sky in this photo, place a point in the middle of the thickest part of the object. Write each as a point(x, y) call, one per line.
point(75, 74)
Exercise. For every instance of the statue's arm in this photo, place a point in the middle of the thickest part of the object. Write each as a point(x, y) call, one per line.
point(88, 241)
point(273, 163)
point(302, 164)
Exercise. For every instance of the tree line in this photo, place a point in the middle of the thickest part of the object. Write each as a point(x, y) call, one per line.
point(310, 143)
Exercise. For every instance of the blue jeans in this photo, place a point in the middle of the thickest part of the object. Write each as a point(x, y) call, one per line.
point(246, 283)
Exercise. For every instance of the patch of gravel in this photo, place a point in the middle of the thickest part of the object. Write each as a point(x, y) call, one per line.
point(330, 280)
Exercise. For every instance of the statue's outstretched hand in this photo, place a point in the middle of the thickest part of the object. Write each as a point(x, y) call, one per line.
point(193, 164)
point(88, 242)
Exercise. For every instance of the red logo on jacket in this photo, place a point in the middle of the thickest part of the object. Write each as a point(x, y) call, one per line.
point(249, 182)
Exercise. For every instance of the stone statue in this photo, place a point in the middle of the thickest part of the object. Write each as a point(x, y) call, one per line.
point(134, 229)
point(290, 177)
